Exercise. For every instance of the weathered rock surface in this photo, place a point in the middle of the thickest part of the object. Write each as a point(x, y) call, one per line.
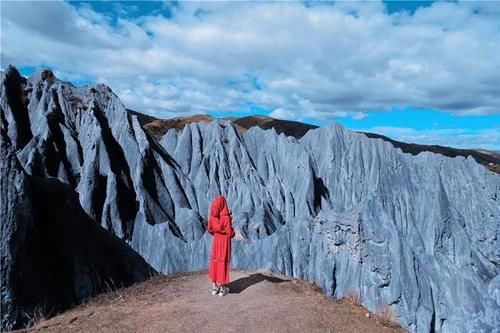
point(53, 255)
point(417, 233)
point(159, 127)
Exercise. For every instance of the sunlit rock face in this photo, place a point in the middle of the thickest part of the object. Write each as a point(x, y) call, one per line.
point(417, 233)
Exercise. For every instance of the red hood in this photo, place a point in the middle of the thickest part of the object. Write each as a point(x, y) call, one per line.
point(219, 207)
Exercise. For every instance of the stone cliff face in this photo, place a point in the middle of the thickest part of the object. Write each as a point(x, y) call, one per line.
point(53, 254)
point(417, 233)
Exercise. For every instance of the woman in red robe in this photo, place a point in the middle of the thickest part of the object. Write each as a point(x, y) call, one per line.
point(220, 225)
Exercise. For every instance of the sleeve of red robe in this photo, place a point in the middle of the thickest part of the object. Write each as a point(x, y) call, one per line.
point(210, 227)
point(228, 226)
point(230, 230)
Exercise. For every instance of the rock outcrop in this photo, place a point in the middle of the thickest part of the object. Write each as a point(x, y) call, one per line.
point(53, 255)
point(419, 234)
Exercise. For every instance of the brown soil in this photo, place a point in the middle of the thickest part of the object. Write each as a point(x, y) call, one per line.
point(157, 128)
point(258, 302)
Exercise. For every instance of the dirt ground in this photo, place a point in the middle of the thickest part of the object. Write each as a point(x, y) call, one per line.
point(257, 302)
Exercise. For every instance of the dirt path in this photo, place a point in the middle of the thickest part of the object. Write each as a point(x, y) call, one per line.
point(258, 302)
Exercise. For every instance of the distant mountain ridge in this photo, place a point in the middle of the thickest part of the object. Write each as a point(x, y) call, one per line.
point(158, 127)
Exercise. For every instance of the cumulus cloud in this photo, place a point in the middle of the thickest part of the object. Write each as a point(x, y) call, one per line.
point(320, 62)
point(281, 114)
point(358, 115)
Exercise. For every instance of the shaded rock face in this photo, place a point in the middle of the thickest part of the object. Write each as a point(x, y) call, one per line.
point(53, 255)
point(417, 233)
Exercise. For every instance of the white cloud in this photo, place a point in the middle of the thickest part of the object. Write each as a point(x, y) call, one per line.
point(358, 115)
point(282, 114)
point(320, 62)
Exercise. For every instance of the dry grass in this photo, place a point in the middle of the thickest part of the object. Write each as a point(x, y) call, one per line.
point(353, 297)
point(111, 290)
point(386, 316)
point(301, 287)
point(37, 315)
point(313, 288)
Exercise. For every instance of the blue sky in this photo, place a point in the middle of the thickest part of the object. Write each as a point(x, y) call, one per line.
point(417, 71)
point(141, 8)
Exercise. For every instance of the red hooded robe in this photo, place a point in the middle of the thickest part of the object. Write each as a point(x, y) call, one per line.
point(220, 225)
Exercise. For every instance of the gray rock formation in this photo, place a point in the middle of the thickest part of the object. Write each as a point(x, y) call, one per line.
point(52, 254)
point(417, 233)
